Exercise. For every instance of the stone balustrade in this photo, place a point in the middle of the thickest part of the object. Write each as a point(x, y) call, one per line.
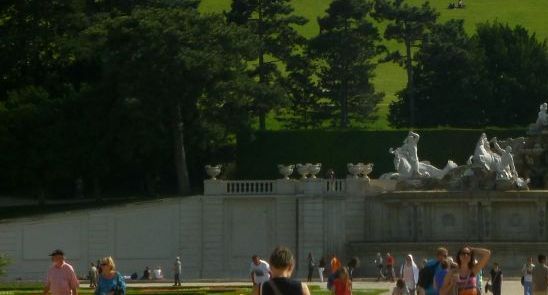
point(310, 186)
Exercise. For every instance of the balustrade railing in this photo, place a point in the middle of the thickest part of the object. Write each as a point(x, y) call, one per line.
point(250, 187)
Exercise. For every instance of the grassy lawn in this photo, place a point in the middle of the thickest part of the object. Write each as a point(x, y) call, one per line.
point(390, 78)
point(35, 288)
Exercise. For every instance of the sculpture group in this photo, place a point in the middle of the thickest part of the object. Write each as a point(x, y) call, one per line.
point(510, 164)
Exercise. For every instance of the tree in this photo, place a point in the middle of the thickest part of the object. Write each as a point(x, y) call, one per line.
point(448, 74)
point(343, 52)
point(495, 78)
point(407, 25)
point(516, 65)
point(169, 63)
point(273, 23)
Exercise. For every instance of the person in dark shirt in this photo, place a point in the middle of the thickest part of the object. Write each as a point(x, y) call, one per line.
point(496, 279)
point(282, 264)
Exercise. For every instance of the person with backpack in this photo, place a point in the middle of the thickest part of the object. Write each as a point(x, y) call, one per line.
point(425, 285)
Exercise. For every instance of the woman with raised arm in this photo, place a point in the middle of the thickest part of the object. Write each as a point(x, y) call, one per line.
point(463, 279)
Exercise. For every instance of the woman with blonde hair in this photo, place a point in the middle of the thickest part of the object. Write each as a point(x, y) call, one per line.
point(110, 281)
point(342, 285)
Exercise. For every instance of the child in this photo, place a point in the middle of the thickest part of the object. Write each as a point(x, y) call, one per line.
point(400, 289)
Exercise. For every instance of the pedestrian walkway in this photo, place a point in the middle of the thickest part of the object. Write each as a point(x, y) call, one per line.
point(509, 286)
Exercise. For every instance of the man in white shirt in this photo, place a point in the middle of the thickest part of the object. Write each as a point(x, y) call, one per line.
point(259, 270)
point(527, 274)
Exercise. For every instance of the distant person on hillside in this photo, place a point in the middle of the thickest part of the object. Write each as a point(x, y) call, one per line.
point(540, 276)
point(259, 270)
point(527, 275)
point(61, 278)
point(282, 264)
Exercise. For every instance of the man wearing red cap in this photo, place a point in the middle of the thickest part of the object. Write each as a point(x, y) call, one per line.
point(61, 279)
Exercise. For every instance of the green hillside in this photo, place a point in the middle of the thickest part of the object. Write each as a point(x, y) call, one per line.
point(390, 78)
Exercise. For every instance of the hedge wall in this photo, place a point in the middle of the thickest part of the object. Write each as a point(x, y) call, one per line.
point(258, 156)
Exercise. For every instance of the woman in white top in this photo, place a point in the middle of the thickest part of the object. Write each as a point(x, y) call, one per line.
point(409, 272)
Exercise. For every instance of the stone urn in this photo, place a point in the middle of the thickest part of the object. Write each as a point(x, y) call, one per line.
point(366, 169)
point(354, 170)
point(213, 171)
point(314, 169)
point(286, 171)
point(303, 170)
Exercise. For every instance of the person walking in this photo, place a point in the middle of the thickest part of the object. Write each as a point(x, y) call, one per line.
point(527, 276)
point(110, 281)
point(427, 273)
point(177, 272)
point(496, 279)
point(321, 268)
point(61, 278)
point(540, 276)
point(259, 270)
point(409, 272)
point(311, 266)
point(92, 274)
point(400, 289)
point(380, 267)
point(390, 262)
point(464, 278)
point(282, 264)
point(335, 264)
point(342, 284)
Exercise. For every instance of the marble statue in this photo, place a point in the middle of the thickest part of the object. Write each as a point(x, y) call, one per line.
point(407, 164)
point(484, 156)
point(542, 119)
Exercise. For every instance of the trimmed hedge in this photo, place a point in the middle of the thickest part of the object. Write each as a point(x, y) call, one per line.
point(258, 156)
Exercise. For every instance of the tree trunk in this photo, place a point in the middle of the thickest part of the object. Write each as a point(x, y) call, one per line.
point(181, 167)
point(410, 83)
point(262, 76)
point(344, 105)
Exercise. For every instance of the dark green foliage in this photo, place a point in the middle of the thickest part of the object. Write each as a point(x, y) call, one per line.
point(107, 106)
point(498, 77)
point(343, 53)
point(449, 85)
point(407, 25)
point(258, 158)
point(516, 67)
point(273, 23)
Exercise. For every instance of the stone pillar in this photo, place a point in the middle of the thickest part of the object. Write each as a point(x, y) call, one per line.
point(473, 230)
point(541, 209)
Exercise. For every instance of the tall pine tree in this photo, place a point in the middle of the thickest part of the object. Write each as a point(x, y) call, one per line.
point(344, 52)
point(273, 22)
point(407, 25)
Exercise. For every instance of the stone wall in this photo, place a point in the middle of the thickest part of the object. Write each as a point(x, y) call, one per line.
point(216, 234)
